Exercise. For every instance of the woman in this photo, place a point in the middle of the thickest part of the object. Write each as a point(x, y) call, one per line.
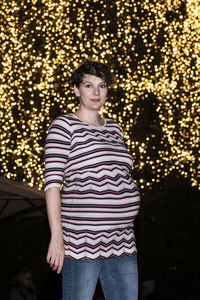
point(91, 219)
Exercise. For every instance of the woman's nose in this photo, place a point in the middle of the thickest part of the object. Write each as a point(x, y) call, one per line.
point(96, 90)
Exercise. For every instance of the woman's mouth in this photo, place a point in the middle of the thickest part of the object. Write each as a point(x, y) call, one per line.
point(95, 100)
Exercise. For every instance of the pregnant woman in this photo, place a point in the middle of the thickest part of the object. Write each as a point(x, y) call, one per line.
point(91, 198)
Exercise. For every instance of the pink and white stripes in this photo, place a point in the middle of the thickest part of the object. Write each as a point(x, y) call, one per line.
point(100, 201)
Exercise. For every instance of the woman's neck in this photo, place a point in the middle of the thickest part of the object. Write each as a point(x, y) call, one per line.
point(91, 117)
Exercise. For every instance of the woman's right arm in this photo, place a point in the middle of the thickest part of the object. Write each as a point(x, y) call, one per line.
point(55, 255)
point(57, 150)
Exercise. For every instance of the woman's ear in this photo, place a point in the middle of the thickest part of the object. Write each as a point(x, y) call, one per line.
point(76, 91)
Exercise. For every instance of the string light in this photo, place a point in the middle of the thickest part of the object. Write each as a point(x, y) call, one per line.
point(153, 48)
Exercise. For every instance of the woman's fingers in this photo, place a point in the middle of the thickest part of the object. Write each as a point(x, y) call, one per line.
point(55, 264)
point(55, 257)
point(49, 254)
point(59, 269)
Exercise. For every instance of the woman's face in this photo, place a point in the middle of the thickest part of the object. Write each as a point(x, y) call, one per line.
point(92, 92)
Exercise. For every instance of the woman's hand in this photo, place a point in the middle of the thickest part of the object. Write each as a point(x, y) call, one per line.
point(55, 255)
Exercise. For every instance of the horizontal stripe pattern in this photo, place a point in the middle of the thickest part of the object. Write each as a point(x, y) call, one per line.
point(99, 200)
point(99, 245)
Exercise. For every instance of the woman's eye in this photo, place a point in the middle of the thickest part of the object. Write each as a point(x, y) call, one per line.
point(103, 86)
point(88, 85)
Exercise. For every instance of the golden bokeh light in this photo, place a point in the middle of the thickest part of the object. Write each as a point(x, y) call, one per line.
point(152, 47)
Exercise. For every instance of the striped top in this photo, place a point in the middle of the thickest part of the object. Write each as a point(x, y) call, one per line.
point(99, 200)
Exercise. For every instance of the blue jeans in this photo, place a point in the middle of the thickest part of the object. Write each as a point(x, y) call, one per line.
point(118, 277)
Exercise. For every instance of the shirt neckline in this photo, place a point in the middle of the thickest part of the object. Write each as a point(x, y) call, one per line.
point(88, 123)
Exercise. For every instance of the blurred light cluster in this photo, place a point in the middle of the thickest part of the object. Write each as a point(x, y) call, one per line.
point(152, 47)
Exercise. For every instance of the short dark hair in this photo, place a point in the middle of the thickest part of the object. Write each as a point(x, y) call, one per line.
point(92, 68)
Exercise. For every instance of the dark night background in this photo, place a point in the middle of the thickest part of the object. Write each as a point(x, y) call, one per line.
point(167, 232)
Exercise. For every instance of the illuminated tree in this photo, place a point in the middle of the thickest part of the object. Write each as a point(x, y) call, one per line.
point(152, 47)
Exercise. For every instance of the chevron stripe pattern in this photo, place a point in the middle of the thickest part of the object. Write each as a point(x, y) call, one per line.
point(99, 198)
